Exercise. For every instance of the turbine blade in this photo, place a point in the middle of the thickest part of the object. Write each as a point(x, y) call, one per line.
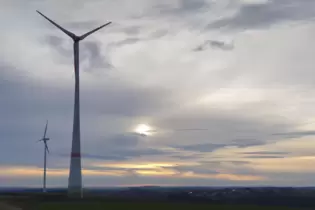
point(46, 148)
point(94, 30)
point(45, 129)
point(39, 140)
point(72, 35)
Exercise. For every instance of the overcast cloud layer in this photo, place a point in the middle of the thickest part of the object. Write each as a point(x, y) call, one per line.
point(226, 87)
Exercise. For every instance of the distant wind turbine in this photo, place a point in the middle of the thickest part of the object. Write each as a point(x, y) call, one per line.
point(75, 173)
point(46, 150)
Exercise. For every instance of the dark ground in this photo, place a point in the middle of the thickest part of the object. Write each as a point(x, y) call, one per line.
point(166, 198)
point(96, 204)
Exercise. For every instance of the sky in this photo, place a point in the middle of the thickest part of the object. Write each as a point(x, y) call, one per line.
point(173, 92)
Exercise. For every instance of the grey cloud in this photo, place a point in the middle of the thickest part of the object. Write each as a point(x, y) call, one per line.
point(133, 39)
point(126, 42)
point(208, 147)
point(188, 5)
point(86, 25)
point(267, 14)
point(123, 153)
point(113, 154)
point(158, 33)
point(54, 41)
point(263, 157)
point(27, 103)
point(186, 157)
point(122, 146)
point(184, 7)
point(201, 147)
point(243, 143)
point(191, 129)
point(125, 140)
point(215, 44)
point(143, 152)
point(221, 130)
point(91, 55)
point(295, 134)
point(129, 101)
point(120, 100)
point(117, 142)
point(57, 43)
point(238, 162)
point(266, 153)
point(219, 162)
point(111, 157)
point(131, 30)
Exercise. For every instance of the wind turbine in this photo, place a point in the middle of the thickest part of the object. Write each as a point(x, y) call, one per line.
point(46, 150)
point(75, 174)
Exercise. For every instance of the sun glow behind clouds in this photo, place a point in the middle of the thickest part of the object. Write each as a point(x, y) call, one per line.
point(143, 129)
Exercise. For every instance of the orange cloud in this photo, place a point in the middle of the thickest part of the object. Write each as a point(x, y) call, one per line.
point(161, 172)
point(165, 170)
point(17, 171)
point(143, 165)
point(137, 166)
point(289, 164)
point(238, 177)
point(223, 176)
point(150, 170)
point(190, 174)
point(104, 173)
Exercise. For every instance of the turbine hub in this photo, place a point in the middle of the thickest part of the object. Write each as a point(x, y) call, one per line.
point(76, 38)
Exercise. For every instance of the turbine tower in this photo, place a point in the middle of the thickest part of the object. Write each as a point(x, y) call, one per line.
point(46, 150)
point(75, 174)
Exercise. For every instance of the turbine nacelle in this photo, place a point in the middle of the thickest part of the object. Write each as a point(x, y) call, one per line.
point(44, 139)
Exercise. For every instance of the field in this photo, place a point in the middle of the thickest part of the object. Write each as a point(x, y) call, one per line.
point(138, 205)
point(56, 202)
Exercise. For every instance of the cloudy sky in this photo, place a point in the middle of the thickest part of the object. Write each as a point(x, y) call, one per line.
point(173, 92)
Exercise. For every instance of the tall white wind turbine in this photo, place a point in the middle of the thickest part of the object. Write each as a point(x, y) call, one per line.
point(46, 150)
point(75, 174)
